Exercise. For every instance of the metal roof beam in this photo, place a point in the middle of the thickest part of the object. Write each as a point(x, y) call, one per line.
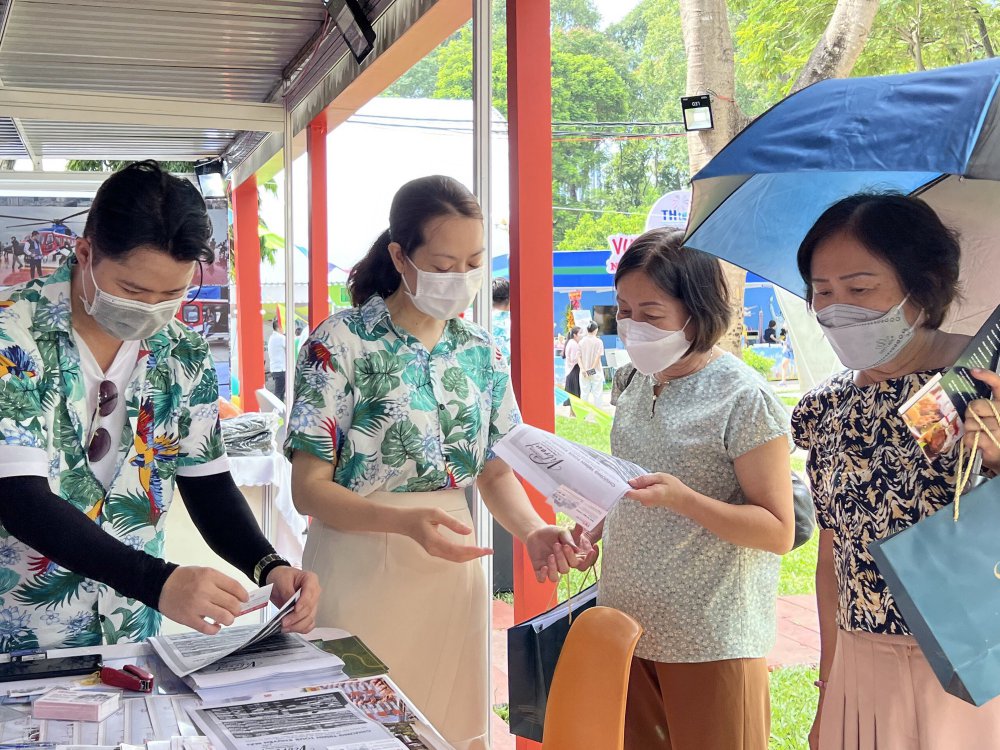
point(36, 158)
point(126, 109)
point(69, 184)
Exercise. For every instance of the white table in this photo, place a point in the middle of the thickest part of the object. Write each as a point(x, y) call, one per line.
point(135, 651)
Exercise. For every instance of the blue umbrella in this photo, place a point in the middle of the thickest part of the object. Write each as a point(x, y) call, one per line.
point(935, 134)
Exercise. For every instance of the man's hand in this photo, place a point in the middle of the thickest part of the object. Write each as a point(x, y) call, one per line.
point(286, 580)
point(192, 593)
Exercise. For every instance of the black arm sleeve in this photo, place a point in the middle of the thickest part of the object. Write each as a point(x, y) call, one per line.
point(224, 519)
point(30, 511)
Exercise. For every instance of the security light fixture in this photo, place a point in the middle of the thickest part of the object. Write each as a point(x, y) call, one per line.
point(349, 17)
point(697, 112)
point(210, 179)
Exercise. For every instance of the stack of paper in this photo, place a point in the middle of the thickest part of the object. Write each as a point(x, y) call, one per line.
point(77, 705)
point(247, 660)
point(280, 662)
point(365, 714)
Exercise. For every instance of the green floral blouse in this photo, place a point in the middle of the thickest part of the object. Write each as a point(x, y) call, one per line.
point(393, 416)
point(172, 427)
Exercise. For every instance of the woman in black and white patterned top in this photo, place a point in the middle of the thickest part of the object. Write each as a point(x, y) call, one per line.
point(880, 273)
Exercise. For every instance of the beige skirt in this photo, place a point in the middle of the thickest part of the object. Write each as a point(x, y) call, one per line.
point(883, 695)
point(425, 617)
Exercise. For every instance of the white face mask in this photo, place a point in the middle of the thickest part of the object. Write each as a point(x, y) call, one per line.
point(864, 338)
point(444, 295)
point(652, 349)
point(128, 319)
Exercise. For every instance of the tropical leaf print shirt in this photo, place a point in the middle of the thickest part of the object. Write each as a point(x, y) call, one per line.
point(869, 480)
point(172, 427)
point(393, 416)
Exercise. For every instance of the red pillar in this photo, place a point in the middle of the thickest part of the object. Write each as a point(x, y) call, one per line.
point(529, 92)
point(319, 290)
point(251, 322)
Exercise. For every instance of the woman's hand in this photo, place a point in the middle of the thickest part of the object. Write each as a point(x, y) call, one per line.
point(552, 552)
point(989, 443)
point(814, 730)
point(423, 525)
point(586, 543)
point(663, 490)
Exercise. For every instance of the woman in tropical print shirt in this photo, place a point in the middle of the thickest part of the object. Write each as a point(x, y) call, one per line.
point(106, 404)
point(398, 404)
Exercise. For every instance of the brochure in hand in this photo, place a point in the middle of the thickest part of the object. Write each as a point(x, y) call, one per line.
point(936, 413)
point(579, 481)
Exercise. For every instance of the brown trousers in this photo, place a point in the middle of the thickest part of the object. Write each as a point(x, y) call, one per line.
point(716, 705)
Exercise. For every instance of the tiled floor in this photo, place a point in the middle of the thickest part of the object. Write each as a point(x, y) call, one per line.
point(797, 643)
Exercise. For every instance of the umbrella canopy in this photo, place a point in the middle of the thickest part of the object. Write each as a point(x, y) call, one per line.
point(935, 134)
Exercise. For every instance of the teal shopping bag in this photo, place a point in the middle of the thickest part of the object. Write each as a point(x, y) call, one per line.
point(945, 577)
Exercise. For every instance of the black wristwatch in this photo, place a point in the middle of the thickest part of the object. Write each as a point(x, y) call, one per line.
point(265, 565)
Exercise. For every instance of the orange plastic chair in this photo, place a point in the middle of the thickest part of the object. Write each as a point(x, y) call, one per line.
point(586, 704)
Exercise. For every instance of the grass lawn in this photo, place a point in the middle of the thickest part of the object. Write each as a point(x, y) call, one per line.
point(793, 707)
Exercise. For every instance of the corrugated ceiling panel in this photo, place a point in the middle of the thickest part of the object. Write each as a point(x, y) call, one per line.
point(74, 140)
point(225, 50)
point(10, 143)
point(199, 83)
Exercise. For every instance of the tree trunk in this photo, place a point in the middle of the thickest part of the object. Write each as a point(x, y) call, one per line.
point(984, 33)
point(838, 49)
point(708, 44)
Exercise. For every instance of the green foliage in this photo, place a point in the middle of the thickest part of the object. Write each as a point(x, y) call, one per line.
point(763, 365)
point(107, 165)
point(592, 230)
point(635, 71)
point(574, 14)
point(905, 37)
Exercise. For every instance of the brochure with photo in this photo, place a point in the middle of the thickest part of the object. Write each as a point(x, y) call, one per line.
point(935, 414)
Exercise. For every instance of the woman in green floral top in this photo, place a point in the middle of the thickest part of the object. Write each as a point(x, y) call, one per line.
point(398, 404)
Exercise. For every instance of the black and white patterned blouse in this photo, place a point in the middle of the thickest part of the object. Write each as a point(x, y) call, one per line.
point(869, 480)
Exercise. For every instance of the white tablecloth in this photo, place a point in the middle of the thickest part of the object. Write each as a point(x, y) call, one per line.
point(275, 471)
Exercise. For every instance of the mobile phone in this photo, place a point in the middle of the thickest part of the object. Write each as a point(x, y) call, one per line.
point(36, 669)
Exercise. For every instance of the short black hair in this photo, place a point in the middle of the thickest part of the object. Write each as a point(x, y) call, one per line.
point(591, 327)
point(902, 231)
point(501, 291)
point(690, 276)
point(275, 324)
point(34, 232)
point(772, 323)
point(142, 205)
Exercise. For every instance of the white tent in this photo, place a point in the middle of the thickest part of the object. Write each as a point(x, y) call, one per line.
point(387, 143)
